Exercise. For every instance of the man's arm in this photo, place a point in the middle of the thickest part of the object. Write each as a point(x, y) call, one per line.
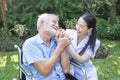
point(45, 67)
point(65, 62)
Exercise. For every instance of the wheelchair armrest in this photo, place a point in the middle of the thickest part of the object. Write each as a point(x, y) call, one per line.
point(79, 65)
point(76, 63)
point(25, 70)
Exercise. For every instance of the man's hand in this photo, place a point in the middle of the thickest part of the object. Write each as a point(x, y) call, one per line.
point(62, 38)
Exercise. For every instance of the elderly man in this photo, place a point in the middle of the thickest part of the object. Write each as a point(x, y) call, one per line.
point(45, 52)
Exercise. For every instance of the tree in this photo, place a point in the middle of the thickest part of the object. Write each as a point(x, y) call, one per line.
point(92, 6)
point(113, 12)
point(3, 8)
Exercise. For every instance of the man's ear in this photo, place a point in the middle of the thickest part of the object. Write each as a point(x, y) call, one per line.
point(41, 22)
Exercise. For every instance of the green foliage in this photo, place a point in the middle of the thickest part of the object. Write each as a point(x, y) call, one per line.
point(7, 45)
point(65, 9)
point(20, 30)
point(102, 27)
point(93, 6)
point(1, 33)
point(70, 24)
point(25, 12)
point(107, 30)
point(118, 19)
point(22, 12)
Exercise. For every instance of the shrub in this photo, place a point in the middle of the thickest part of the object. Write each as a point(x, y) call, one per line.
point(1, 33)
point(8, 45)
point(70, 24)
point(102, 27)
point(107, 30)
point(113, 32)
point(19, 30)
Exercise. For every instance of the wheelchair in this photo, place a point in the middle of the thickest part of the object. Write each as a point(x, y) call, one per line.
point(25, 71)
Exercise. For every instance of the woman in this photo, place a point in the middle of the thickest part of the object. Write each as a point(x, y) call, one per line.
point(84, 45)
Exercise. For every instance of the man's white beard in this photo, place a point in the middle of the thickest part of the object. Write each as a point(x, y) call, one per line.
point(51, 30)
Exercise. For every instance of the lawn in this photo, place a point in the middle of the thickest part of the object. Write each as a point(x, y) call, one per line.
point(9, 66)
point(108, 69)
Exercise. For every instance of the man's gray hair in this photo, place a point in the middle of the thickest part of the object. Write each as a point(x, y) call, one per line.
point(45, 17)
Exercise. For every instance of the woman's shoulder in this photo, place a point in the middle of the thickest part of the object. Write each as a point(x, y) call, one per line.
point(98, 41)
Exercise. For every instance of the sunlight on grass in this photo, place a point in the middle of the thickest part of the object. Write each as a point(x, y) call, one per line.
point(111, 45)
point(3, 61)
point(118, 57)
point(118, 71)
point(115, 62)
point(14, 58)
point(9, 66)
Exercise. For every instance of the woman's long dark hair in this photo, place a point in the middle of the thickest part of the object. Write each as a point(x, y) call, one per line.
point(91, 23)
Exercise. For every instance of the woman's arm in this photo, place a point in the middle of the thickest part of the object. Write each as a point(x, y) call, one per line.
point(82, 58)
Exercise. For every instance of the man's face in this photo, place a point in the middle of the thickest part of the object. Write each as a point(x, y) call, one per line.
point(51, 26)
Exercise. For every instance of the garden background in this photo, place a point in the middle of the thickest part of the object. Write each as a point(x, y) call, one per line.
point(18, 22)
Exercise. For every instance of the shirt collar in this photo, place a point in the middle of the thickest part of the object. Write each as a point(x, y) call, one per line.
point(40, 40)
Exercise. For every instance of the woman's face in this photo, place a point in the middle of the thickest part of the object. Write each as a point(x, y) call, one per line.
point(81, 27)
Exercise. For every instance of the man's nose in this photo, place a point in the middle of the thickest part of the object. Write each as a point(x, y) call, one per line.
point(57, 26)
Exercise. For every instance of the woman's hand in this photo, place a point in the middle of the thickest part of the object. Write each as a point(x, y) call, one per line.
point(62, 38)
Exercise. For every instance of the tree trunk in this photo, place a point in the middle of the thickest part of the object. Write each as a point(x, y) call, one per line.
point(3, 14)
point(113, 13)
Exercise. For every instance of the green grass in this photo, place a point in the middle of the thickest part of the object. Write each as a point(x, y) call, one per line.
point(9, 65)
point(108, 69)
